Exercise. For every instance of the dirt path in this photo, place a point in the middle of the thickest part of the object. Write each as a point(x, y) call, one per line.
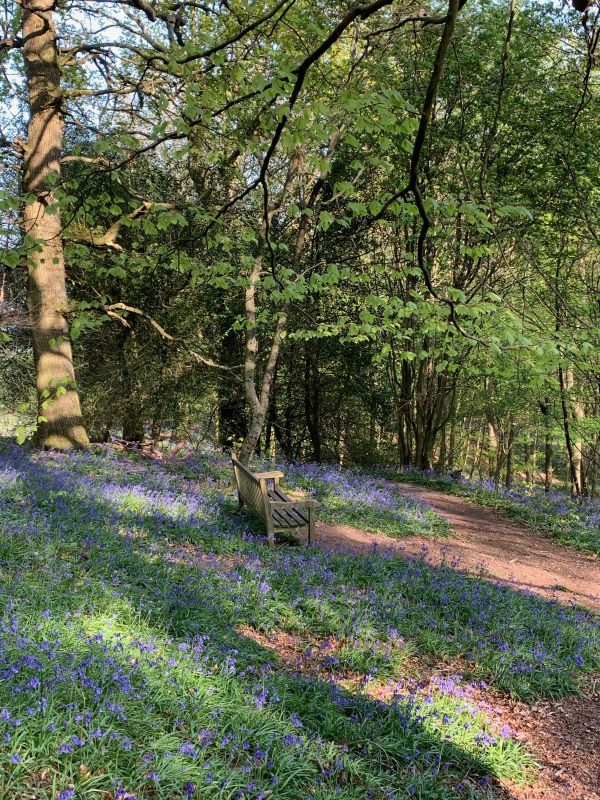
point(563, 736)
point(484, 542)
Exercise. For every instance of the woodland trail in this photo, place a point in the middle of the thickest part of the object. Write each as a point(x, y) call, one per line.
point(485, 543)
point(563, 735)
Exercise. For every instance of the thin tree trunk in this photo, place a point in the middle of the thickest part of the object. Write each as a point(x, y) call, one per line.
point(548, 469)
point(452, 437)
point(545, 408)
point(529, 453)
point(258, 403)
point(575, 485)
point(312, 400)
point(60, 423)
point(508, 479)
point(443, 456)
point(133, 419)
point(493, 453)
point(578, 446)
point(258, 400)
point(481, 446)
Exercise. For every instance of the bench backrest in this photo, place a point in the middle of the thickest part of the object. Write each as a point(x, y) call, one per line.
point(250, 487)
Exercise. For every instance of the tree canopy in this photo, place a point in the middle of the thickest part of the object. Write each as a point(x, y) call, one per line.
point(361, 231)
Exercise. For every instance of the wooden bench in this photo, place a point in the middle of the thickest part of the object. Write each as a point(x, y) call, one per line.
point(260, 491)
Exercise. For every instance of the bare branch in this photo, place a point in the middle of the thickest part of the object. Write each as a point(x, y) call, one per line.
point(112, 309)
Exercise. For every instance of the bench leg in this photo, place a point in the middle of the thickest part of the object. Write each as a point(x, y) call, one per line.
point(270, 532)
point(240, 502)
point(311, 525)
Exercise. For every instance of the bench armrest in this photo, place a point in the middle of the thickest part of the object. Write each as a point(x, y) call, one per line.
point(267, 475)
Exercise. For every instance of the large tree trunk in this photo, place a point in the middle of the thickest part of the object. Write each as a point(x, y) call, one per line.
point(60, 423)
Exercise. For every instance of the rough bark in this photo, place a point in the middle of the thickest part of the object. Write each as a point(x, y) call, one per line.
point(61, 423)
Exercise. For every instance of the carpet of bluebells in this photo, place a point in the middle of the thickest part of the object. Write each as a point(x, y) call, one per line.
point(571, 521)
point(128, 590)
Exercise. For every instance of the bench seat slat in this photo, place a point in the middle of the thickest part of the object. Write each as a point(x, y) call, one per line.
point(285, 518)
point(279, 497)
point(291, 514)
point(282, 520)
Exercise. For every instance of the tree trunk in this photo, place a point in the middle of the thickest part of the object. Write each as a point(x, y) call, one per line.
point(578, 446)
point(545, 408)
point(493, 453)
point(575, 485)
point(312, 400)
point(479, 458)
point(529, 459)
point(548, 469)
point(452, 438)
point(232, 410)
point(508, 479)
point(443, 456)
point(257, 401)
point(132, 413)
point(61, 424)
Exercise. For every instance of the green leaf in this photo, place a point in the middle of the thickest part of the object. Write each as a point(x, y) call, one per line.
point(325, 220)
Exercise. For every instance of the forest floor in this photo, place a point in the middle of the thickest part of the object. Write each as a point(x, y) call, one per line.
point(563, 735)
point(152, 646)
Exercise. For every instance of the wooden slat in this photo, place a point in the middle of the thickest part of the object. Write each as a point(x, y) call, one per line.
point(279, 521)
point(283, 520)
point(291, 520)
point(249, 488)
point(277, 494)
point(286, 521)
point(293, 516)
point(300, 516)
